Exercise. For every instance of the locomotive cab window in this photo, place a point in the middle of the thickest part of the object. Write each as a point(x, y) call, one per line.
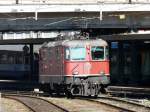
point(67, 54)
point(97, 52)
point(76, 53)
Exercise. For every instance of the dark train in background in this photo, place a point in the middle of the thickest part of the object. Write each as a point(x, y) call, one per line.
point(74, 67)
point(14, 65)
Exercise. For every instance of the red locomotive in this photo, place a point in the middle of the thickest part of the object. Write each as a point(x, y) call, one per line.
point(75, 67)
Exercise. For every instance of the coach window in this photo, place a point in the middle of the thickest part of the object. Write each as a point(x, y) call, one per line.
point(18, 59)
point(4, 59)
point(77, 53)
point(97, 52)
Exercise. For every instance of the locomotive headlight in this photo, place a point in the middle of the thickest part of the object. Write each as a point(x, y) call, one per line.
point(102, 73)
point(75, 73)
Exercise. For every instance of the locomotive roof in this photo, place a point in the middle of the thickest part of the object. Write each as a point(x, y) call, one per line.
point(97, 42)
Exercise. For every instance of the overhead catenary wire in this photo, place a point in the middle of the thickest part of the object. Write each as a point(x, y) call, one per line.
point(60, 21)
point(41, 7)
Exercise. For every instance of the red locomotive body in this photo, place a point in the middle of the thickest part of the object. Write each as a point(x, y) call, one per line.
point(76, 67)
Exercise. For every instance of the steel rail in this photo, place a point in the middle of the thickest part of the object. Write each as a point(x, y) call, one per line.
point(21, 103)
point(124, 102)
point(12, 96)
point(107, 104)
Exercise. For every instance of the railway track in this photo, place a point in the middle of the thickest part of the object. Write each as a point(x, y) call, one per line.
point(36, 104)
point(121, 105)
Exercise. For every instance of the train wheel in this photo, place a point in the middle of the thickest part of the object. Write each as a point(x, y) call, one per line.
point(95, 96)
point(102, 89)
point(68, 94)
point(75, 90)
point(67, 91)
point(45, 88)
